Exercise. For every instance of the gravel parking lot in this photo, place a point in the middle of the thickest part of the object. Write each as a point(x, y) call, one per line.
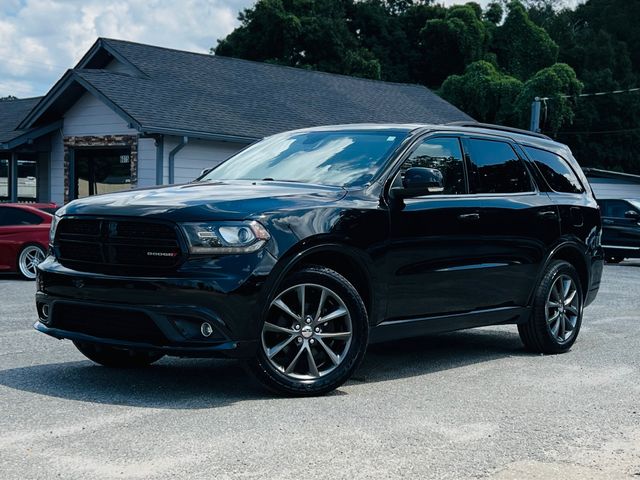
point(469, 404)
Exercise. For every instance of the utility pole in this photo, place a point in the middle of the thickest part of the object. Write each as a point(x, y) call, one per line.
point(534, 125)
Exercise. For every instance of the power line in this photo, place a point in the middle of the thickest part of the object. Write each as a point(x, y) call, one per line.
point(605, 132)
point(534, 122)
point(593, 94)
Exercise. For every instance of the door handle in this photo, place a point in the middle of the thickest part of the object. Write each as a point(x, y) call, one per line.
point(469, 216)
point(550, 214)
point(607, 222)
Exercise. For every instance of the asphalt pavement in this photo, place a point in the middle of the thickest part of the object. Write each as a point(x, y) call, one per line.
point(469, 404)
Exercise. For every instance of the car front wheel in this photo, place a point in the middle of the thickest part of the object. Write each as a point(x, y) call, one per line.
point(28, 261)
point(314, 335)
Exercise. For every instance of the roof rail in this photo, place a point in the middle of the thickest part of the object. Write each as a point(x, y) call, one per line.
point(491, 126)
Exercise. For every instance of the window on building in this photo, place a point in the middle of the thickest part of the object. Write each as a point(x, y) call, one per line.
point(102, 170)
point(4, 179)
point(555, 170)
point(443, 154)
point(15, 216)
point(27, 179)
point(495, 168)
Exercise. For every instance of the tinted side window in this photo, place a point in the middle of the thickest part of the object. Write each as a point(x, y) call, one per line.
point(15, 216)
point(615, 208)
point(495, 168)
point(443, 154)
point(555, 171)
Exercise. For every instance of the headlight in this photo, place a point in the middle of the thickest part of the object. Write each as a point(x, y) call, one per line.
point(225, 237)
point(52, 230)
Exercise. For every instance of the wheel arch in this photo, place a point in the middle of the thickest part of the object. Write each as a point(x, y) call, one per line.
point(350, 262)
point(572, 253)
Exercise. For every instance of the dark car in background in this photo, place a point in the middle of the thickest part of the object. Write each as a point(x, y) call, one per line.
point(302, 249)
point(620, 228)
point(24, 238)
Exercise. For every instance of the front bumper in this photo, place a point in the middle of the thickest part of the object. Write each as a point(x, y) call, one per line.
point(163, 315)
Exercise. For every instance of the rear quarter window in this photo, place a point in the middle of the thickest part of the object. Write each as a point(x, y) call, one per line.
point(555, 170)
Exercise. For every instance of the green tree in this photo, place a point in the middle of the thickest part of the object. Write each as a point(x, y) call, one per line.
point(494, 13)
point(300, 33)
point(522, 48)
point(483, 92)
point(8, 98)
point(450, 43)
point(558, 83)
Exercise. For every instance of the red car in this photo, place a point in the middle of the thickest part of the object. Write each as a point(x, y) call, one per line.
point(24, 237)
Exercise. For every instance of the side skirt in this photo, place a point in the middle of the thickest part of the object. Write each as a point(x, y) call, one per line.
point(397, 329)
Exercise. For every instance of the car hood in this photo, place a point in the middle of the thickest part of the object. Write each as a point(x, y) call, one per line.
point(227, 200)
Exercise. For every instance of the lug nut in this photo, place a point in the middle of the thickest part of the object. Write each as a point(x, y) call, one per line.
point(297, 327)
point(317, 329)
point(299, 339)
point(312, 341)
point(308, 319)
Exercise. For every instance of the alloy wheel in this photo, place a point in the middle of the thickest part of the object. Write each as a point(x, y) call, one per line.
point(562, 308)
point(29, 260)
point(307, 333)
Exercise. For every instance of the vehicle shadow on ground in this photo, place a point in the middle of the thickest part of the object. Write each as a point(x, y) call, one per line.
point(209, 383)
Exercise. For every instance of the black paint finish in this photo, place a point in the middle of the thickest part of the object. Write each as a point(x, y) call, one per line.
point(427, 264)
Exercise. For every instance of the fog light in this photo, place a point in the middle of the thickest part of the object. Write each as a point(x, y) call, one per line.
point(45, 310)
point(206, 329)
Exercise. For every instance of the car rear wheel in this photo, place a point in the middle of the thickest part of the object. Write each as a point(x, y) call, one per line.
point(29, 259)
point(116, 358)
point(314, 335)
point(556, 318)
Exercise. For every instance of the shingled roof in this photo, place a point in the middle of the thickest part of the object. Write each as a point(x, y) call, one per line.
point(172, 91)
point(11, 114)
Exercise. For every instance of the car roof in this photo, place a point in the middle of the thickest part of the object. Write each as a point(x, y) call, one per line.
point(29, 207)
point(519, 136)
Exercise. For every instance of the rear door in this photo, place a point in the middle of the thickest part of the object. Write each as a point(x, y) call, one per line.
point(519, 223)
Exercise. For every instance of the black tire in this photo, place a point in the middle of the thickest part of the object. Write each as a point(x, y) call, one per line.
point(536, 333)
point(276, 379)
point(614, 259)
point(116, 358)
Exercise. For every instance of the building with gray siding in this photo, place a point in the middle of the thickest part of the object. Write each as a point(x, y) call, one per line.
point(613, 185)
point(131, 115)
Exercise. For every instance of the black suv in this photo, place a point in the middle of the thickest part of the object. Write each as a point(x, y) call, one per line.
point(302, 249)
point(621, 228)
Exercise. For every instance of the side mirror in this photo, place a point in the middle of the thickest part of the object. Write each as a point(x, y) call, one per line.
point(419, 181)
point(633, 214)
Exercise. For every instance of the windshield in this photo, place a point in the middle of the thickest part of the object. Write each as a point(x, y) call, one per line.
point(341, 158)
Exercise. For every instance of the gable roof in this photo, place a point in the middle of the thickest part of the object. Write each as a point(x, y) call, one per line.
point(11, 114)
point(183, 93)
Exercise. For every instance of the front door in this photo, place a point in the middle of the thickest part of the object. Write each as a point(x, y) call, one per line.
point(101, 170)
point(476, 246)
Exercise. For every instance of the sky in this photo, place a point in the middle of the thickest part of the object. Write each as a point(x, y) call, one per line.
point(41, 39)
